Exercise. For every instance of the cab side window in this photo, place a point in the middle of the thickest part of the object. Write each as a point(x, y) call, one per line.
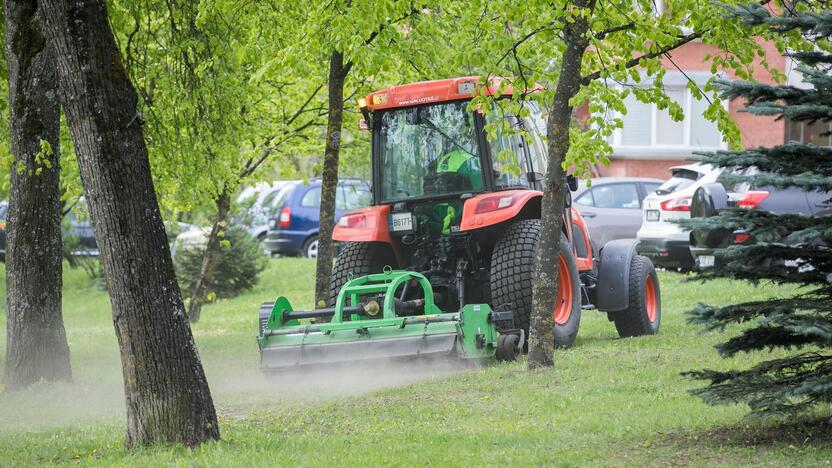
point(536, 138)
point(508, 154)
point(356, 196)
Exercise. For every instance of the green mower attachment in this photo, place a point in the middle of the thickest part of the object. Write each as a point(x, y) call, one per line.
point(361, 330)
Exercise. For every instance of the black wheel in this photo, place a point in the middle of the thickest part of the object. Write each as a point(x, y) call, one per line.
point(310, 247)
point(512, 264)
point(644, 311)
point(359, 259)
point(507, 349)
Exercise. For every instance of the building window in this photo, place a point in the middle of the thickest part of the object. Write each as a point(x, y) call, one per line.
point(817, 133)
point(648, 129)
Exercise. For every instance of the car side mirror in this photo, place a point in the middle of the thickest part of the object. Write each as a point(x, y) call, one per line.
point(535, 177)
point(572, 182)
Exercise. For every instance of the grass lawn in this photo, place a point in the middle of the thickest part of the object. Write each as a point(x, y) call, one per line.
point(607, 401)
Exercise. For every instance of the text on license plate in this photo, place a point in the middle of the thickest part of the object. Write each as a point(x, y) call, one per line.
point(652, 215)
point(401, 222)
point(705, 261)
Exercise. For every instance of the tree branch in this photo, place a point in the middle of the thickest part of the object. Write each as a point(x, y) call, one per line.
point(624, 27)
point(647, 56)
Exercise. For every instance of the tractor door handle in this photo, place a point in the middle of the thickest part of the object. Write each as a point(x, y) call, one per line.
point(588, 214)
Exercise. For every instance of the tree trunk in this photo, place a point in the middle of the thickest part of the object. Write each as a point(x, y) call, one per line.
point(167, 395)
point(544, 289)
point(36, 347)
point(210, 257)
point(329, 177)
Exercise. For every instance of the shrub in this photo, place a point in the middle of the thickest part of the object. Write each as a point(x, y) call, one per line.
point(238, 267)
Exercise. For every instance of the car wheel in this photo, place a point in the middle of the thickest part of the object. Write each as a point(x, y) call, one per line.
point(310, 247)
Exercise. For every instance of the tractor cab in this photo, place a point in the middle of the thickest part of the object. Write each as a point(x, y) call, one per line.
point(430, 151)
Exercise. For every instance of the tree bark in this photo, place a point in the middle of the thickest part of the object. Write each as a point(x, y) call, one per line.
point(210, 257)
point(338, 71)
point(544, 289)
point(167, 395)
point(36, 346)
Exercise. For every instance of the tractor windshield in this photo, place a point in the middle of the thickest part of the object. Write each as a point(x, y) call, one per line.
point(427, 151)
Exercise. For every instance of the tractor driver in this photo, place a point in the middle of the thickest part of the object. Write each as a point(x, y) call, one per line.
point(468, 173)
point(463, 163)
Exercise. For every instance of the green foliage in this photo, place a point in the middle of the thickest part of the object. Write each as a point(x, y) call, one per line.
point(238, 267)
point(785, 248)
point(522, 41)
point(216, 115)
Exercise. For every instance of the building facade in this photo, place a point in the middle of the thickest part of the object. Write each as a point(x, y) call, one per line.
point(651, 142)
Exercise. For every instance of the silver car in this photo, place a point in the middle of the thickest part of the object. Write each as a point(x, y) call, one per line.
point(611, 206)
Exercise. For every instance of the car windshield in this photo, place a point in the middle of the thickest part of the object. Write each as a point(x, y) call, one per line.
point(428, 151)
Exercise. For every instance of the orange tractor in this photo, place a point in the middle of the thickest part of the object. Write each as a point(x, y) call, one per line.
point(463, 210)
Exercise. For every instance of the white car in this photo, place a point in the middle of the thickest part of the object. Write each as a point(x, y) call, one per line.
point(660, 238)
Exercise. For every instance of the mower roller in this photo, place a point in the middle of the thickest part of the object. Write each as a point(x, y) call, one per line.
point(369, 322)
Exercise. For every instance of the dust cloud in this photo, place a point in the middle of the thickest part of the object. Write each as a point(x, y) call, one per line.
point(237, 385)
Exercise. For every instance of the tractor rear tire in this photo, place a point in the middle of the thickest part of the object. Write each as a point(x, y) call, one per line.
point(644, 311)
point(512, 268)
point(359, 259)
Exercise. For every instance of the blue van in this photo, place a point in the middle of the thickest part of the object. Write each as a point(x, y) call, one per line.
point(294, 228)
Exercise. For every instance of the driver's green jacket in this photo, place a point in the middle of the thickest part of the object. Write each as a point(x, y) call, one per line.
point(466, 165)
point(463, 163)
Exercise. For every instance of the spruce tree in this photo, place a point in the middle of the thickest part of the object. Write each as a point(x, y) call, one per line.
point(788, 249)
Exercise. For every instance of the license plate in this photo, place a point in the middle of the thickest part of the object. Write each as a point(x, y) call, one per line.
point(652, 215)
point(401, 222)
point(705, 261)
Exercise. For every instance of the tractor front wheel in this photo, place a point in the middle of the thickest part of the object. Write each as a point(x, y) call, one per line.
point(644, 311)
point(359, 259)
point(512, 267)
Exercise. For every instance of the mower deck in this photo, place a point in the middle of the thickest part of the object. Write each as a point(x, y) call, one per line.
point(470, 334)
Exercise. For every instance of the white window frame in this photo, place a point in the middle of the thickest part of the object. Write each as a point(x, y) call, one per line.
point(664, 151)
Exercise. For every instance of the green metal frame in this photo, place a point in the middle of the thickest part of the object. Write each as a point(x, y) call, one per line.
point(473, 333)
point(387, 283)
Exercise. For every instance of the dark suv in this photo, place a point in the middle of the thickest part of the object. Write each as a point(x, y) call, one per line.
point(294, 231)
point(710, 198)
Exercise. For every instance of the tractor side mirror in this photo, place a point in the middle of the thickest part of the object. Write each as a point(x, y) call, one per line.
point(572, 182)
point(535, 177)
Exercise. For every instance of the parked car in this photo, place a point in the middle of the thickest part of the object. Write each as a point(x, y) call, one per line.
point(260, 202)
point(611, 206)
point(294, 231)
point(79, 234)
point(660, 238)
point(709, 199)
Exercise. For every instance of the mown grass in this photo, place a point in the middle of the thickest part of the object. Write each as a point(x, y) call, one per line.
point(607, 402)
